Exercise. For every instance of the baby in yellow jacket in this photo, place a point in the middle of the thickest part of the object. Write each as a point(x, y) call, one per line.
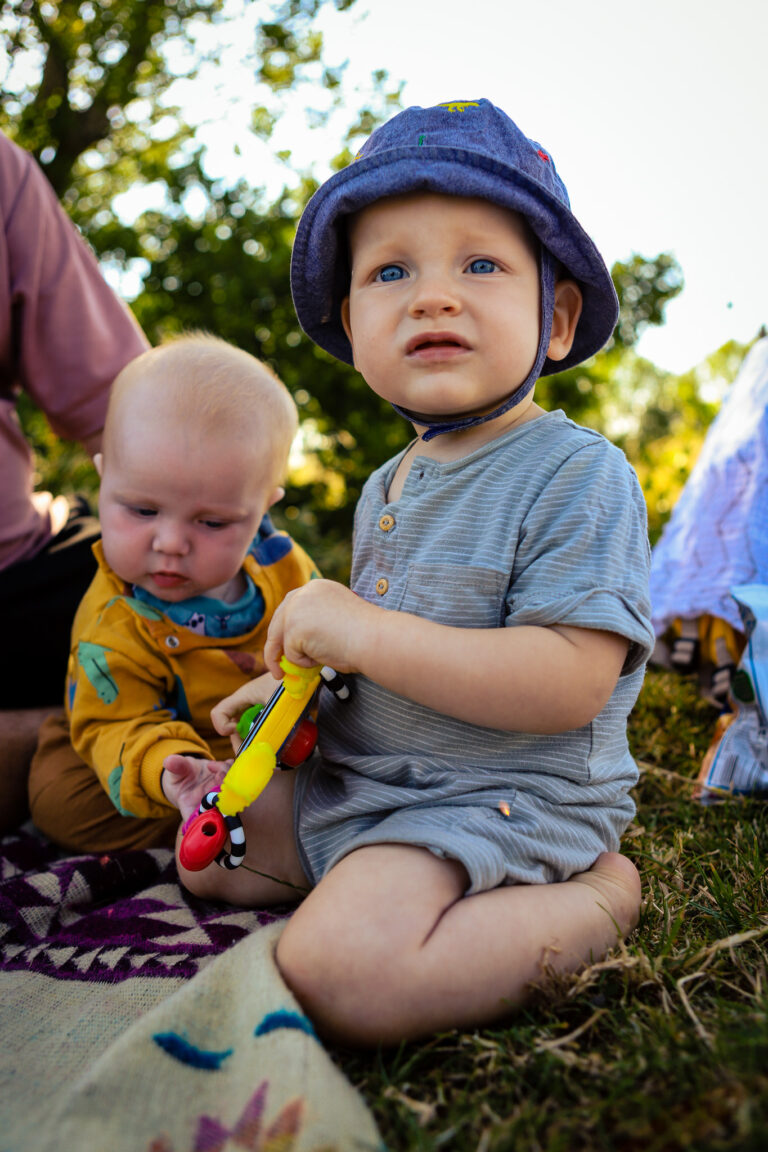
point(191, 570)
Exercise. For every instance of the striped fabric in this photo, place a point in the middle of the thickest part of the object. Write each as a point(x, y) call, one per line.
point(543, 526)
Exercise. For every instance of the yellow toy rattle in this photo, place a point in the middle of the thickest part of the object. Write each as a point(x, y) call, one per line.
point(279, 736)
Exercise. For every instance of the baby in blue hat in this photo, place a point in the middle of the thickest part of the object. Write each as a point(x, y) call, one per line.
point(459, 829)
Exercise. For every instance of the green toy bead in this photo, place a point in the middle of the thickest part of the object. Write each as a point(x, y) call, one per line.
point(247, 718)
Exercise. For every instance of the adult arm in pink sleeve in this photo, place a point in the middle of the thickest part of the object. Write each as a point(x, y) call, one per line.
point(64, 334)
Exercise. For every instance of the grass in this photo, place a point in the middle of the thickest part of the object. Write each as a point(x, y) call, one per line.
point(662, 1046)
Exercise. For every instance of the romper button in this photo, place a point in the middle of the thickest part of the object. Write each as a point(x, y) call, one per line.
point(387, 522)
point(172, 641)
point(382, 585)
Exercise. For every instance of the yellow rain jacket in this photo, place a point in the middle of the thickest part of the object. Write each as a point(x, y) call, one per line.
point(140, 687)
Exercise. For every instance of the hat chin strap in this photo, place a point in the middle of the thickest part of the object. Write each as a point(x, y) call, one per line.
point(440, 425)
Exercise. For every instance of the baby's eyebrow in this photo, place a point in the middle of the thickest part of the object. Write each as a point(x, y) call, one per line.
point(130, 497)
point(232, 514)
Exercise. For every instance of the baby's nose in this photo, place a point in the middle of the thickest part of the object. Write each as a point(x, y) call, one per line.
point(434, 296)
point(170, 538)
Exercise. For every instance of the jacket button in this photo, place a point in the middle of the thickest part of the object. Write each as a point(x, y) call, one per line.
point(172, 641)
point(382, 585)
point(387, 522)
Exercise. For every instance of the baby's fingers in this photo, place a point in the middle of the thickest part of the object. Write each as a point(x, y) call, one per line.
point(177, 765)
point(273, 647)
point(228, 711)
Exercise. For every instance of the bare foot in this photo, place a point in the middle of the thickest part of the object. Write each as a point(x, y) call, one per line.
point(617, 881)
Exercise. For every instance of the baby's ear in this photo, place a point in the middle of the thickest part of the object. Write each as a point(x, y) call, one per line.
point(345, 318)
point(275, 496)
point(565, 318)
point(98, 463)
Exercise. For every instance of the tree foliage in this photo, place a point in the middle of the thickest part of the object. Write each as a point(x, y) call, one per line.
point(659, 419)
point(103, 79)
point(644, 288)
point(89, 90)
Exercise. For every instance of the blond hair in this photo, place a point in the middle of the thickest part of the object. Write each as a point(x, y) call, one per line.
point(199, 378)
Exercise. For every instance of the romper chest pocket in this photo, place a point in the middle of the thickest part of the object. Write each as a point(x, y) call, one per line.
point(463, 596)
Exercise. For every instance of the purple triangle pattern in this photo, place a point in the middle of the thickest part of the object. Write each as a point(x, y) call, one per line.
point(107, 917)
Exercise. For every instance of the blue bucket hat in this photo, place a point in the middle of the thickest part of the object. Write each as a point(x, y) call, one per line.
point(462, 148)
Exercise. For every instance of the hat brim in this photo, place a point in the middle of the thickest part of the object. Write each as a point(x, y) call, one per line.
point(320, 266)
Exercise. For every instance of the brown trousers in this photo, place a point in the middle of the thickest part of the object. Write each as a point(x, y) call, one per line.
point(69, 804)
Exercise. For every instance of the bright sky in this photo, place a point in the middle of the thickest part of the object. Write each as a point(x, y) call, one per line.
point(654, 112)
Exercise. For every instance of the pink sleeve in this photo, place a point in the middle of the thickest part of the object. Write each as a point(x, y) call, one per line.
point(64, 336)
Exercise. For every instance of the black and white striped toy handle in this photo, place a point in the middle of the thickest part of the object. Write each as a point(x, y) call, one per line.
point(335, 681)
point(234, 824)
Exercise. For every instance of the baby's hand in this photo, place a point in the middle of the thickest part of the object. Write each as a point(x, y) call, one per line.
point(186, 779)
point(229, 710)
point(322, 623)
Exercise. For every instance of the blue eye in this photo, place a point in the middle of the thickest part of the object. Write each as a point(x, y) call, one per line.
point(390, 273)
point(483, 265)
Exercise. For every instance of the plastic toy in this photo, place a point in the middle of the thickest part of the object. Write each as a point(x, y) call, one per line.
point(280, 736)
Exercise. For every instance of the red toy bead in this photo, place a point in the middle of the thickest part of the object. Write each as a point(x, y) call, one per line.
point(299, 745)
point(203, 840)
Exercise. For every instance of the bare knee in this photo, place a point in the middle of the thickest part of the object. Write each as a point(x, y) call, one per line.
point(206, 884)
point(347, 986)
point(356, 953)
point(214, 882)
point(247, 887)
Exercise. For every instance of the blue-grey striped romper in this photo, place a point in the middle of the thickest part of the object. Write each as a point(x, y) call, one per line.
point(545, 525)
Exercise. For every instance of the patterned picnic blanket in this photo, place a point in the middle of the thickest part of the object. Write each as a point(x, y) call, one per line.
point(136, 1018)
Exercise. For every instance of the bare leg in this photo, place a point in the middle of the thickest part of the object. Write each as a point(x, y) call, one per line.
point(271, 872)
point(387, 948)
point(18, 740)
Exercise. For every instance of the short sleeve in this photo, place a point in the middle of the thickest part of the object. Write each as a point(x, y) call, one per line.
point(583, 556)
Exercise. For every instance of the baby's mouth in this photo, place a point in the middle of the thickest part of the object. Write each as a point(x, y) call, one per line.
point(168, 579)
point(430, 345)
